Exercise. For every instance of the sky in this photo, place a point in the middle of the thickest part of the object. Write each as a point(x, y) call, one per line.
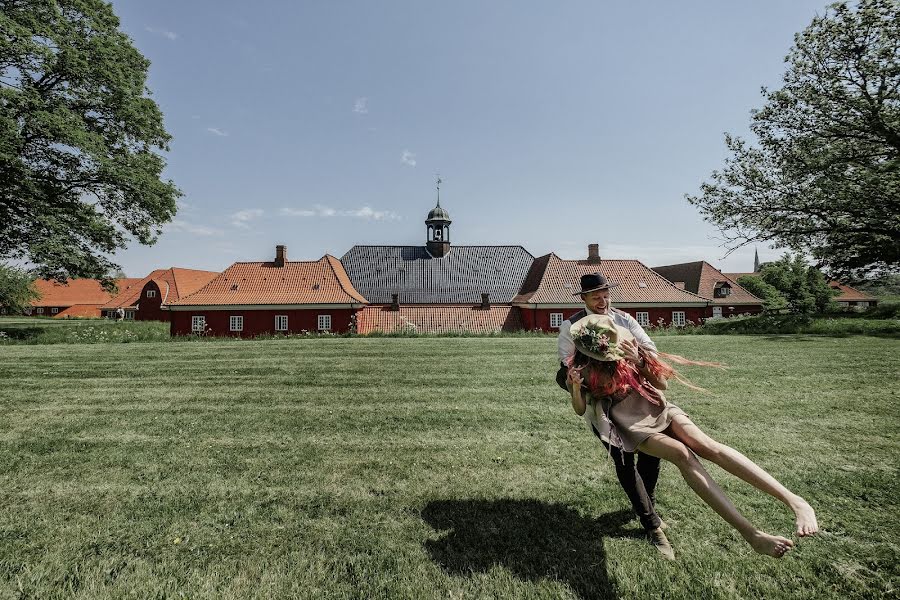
point(323, 124)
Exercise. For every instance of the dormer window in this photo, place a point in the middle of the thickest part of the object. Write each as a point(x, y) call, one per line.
point(723, 290)
point(151, 293)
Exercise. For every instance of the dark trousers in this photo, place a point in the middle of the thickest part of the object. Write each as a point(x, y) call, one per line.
point(638, 479)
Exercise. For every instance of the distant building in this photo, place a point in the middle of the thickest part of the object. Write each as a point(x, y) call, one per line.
point(726, 297)
point(548, 295)
point(438, 288)
point(147, 298)
point(75, 298)
point(847, 297)
point(280, 296)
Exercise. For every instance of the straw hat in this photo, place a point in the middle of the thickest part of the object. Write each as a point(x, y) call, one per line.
point(599, 337)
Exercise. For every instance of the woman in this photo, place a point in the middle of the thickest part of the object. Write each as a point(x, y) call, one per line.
point(612, 378)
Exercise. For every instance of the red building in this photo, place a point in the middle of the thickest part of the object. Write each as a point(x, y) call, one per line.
point(726, 297)
point(74, 298)
point(147, 299)
point(278, 297)
point(547, 299)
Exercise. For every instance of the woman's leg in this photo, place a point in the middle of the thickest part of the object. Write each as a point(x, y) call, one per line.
point(695, 475)
point(737, 464)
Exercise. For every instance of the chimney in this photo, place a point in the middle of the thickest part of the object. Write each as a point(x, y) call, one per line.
point(594, 253)
point(280, 255)
point(395, 302)
point(485, 301)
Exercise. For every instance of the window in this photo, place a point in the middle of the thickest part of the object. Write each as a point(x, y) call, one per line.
point(236, 323)
point(717, 312)
point(324, 322)
point(556, 319)
point(723, 291)
point(129, 315)
point(280, 322)
point(198, 324)
point(53, 311)
point(643, 318)
point(678, 318)
point(40, 310)
point(151, 293)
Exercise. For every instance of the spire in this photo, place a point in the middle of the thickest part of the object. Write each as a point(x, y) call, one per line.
point(439, 182)
point(755, 260)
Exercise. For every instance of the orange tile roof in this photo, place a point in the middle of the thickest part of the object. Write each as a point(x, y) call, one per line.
point(323, 281)
point(173, 283)
point(553, 280)
point(74, 291)
point(701, 278)
point(849, 294)
point(79, 310)
point(439, 319)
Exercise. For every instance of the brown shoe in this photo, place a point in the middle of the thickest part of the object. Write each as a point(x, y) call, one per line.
point(661, 543)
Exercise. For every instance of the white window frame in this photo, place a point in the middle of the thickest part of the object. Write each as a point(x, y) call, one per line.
point(678, 318)
point(556, 320)
point(151, 293)
point(198, 323)
point(54, 310)
point(323, 323)
point(717, 312)
point(129, 315)
point(236, 323)
point(643, 318)
point(39, 310)
point(281, 322)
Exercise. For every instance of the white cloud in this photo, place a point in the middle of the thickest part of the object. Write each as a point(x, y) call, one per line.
point(242, 218)
point(163, 32)
point(408, 158)
point(366, 212)
point(181, 226)
point(217, 131)
point(361, 106)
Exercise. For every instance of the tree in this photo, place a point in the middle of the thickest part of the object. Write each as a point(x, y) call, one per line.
point(802, 286)
point(824, 178)
point(16, 289)
point(79, 134)
point(771, 297)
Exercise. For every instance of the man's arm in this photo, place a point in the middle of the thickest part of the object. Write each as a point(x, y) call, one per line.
point(564, 342)
point(636, 330)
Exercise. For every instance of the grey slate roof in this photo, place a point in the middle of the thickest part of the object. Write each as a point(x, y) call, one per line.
point(458, 278)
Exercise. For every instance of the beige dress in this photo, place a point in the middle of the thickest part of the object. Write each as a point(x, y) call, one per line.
point(633, 417)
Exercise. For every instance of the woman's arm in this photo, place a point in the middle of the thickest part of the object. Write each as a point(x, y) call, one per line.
point(573, 382)
point(635, 355)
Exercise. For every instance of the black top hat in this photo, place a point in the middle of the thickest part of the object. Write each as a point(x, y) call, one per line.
point(592, 282)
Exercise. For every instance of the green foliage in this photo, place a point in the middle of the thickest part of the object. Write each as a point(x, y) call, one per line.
point(851, 324)
point(824, 178)
point(16, 290)
point(803, 286)
point(79, 170)
point(772, 299)
point(341, 468)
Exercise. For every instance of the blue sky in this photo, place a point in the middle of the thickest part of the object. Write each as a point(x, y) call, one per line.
point(321, 125)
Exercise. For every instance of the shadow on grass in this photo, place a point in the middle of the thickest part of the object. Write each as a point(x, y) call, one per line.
point(22, 333)
point(534, 540)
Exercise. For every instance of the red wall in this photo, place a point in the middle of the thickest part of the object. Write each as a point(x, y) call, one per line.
point(149, 308)
point(257, 322)
point(540, 318)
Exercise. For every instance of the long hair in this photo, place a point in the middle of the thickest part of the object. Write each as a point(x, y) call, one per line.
point(606, 378)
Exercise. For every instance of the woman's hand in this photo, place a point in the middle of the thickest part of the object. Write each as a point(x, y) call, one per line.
point(630, 349)
point(574, 377)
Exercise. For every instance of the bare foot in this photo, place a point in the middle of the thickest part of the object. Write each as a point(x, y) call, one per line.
point(773, 545)
point(806, 518)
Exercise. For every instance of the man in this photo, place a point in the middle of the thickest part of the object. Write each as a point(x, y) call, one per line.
point(637, 474)
point(120, 314)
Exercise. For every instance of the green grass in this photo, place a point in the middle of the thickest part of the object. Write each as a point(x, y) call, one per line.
point(424, 468)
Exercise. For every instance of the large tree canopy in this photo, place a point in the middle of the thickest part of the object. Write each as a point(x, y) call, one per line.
point(824, 178)
point(79, 139)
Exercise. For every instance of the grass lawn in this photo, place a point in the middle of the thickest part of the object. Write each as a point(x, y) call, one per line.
point(425, 468)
